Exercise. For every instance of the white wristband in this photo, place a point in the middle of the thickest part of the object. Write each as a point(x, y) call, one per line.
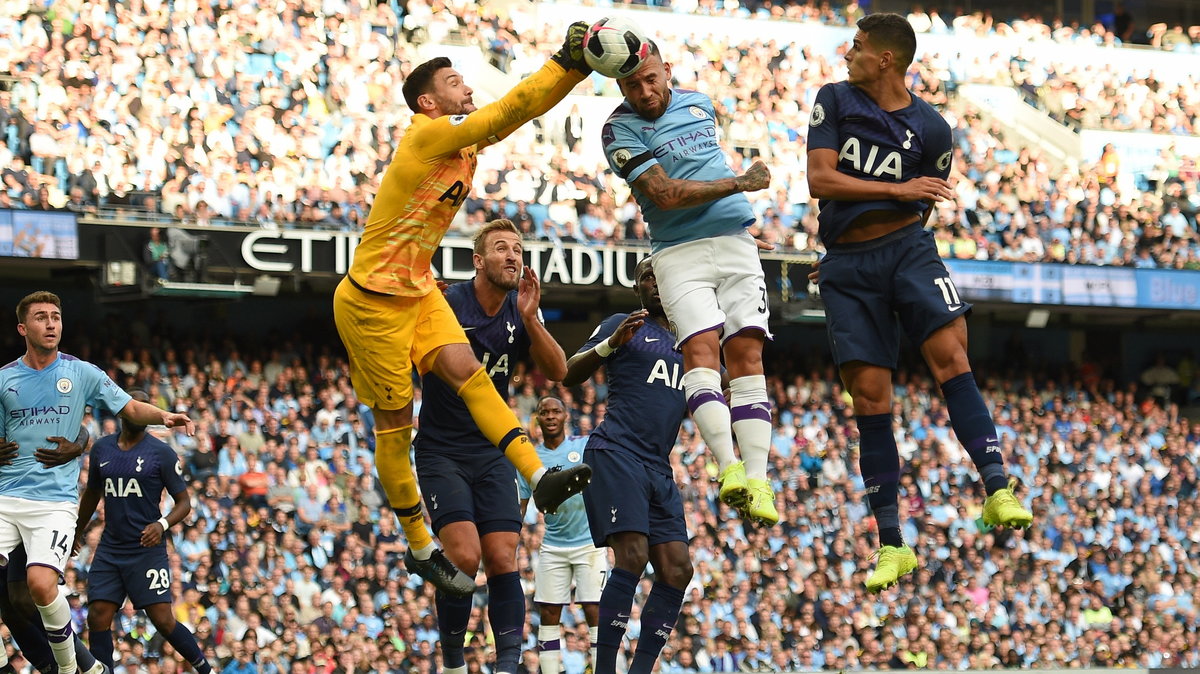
point(165, 524)
point(603, 349)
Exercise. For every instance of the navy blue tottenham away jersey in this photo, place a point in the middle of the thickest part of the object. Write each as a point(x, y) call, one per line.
point(645, 394)
point(873, 144)
point(132, 482)
point(499, 342)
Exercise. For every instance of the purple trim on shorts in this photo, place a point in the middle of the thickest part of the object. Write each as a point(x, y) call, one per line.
point(760, 411)
point(683, 341)
point(703, 396)
point(48, 566)
point(766, 335)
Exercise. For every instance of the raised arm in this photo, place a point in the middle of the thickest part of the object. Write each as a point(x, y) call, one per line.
point(531, 98)
point(545, 351)
point(145, 414)
point(670, 193)
point(601, 345)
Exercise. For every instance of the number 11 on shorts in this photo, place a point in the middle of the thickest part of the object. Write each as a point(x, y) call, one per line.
point(949, 293)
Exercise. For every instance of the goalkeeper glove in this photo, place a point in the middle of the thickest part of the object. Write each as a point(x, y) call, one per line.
point(570, 57)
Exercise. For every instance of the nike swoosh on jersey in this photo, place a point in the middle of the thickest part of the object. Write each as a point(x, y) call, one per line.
point(467, 328)
point(104, 463)
point(649, 339)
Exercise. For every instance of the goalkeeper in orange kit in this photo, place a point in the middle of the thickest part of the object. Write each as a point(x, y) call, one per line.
point(390, 314)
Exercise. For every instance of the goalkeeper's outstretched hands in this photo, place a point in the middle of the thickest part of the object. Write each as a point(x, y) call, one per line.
point(570, 56)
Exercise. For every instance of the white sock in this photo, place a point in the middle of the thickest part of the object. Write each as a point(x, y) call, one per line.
point(748, 400)
point(593, 636)
point(702, 387)
point(454, 670)
point(425, 552)
point(550, 659)
point(57, 618)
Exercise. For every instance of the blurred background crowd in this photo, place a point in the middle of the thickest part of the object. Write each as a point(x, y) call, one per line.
point(292, 561)
point(285, 115)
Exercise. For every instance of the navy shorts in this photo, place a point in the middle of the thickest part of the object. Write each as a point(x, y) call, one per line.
point(14, 571)
point(867, 286)
point(144, 576)
point(626, 495)
point(483, 491)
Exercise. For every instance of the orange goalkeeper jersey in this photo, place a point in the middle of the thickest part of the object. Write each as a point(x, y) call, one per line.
point(430, 177)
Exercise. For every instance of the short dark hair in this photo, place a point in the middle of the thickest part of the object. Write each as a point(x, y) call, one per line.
point(39, 297)
point(891, 32)
point(498, 225)
point(641, 266)
point(421, 79)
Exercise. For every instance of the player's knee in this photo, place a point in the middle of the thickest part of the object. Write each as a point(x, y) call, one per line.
point(98, 620)
point(455, 364)
point(466, 558)
point(165, 624)
point(389, 419)
point(631, 556)
point(678, 572)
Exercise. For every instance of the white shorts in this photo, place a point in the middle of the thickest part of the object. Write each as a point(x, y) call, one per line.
point(556, 568)
point(713, 284)
point(47, 528)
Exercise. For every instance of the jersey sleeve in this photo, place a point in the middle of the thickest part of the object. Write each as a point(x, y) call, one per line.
point(823, 121)
point(603, 331)
point(105, 390)
point(625, 150)
point(523, 489)
point(530, 98)
point(95, 481)
point(937, 153)
point(170, 470)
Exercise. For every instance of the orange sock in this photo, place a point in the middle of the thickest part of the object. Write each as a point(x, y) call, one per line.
point(395, 470)
point(498, 423)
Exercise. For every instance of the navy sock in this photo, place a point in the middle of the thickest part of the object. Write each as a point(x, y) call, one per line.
point(84, 659)
point(26, 631)
point(615, 604)
point(506, 611)
point(453, 615)
point(101, 643)
point(975, 429)
point(879, 461)
point(658, 619)
point(184, 642)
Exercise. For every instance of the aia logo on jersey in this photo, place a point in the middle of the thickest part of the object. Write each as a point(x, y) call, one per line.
point(122, 488)
point(872, 164)
point(668, 375)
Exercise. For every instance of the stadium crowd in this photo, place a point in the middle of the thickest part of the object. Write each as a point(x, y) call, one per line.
point(228, 112)
point(290, 561)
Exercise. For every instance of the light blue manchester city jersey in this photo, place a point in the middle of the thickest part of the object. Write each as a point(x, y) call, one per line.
point(567, 528)
point(684, 142)
point(37, 404)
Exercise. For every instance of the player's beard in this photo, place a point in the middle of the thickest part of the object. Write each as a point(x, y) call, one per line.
point(500, 278)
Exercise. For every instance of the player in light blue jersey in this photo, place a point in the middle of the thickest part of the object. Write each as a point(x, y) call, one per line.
point(567, 555)
point(43, 394)
point(663, 142)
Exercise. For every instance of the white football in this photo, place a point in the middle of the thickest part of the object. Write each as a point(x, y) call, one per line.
point(615, 47)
